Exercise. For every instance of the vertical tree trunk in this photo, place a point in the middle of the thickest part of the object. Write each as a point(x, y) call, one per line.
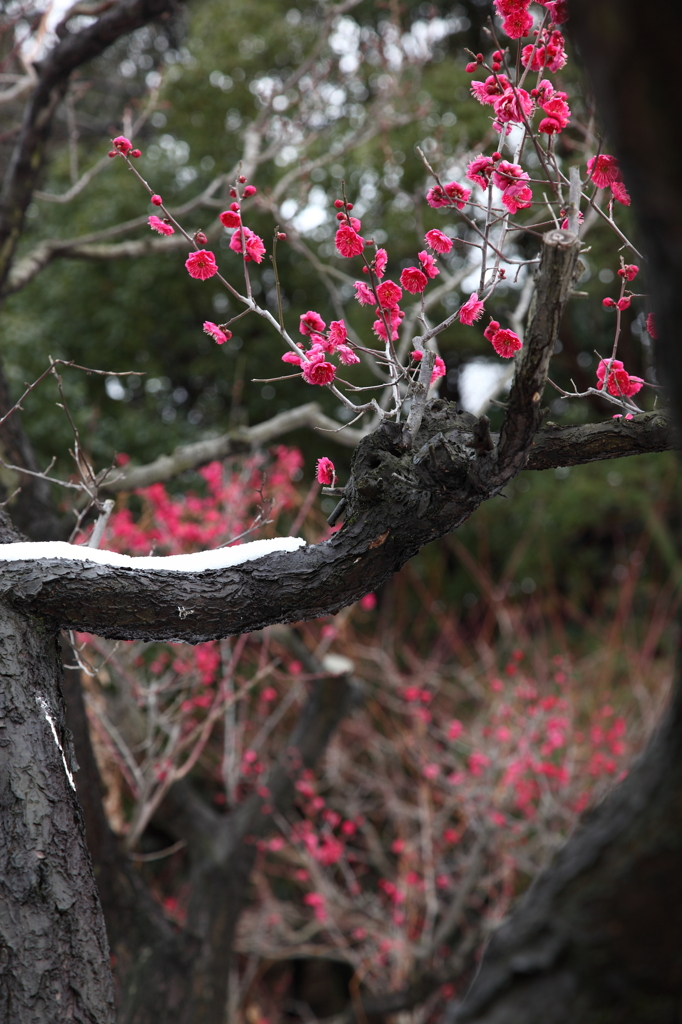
point(54, 957)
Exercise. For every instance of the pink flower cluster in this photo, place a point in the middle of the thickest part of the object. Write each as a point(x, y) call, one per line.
point(554, 105)
point(516, 18)
point(511, 104)
point(604, 171)
point(612, 374)
point(506, 343)
point(325, 471)
point(452, 194)
point(253, 248)
point(547, 52)
point(511, 180)
point(438, 366)
point(316, 369)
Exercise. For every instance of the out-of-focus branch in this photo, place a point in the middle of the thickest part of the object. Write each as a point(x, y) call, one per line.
point(90, 246)
point(72, 50)
point(191, 456)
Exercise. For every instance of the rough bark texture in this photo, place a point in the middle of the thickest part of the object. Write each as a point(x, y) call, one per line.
point(54, 958)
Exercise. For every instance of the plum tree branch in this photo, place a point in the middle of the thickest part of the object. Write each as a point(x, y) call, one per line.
point(398, 499)
point(73, 50)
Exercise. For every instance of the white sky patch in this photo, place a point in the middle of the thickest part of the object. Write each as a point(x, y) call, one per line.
point(419, 42)
point(480, 380)
point(314, 213)
point(34, 45)
point(220, 558)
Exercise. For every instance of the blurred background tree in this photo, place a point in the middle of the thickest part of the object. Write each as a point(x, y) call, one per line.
point(553, 570)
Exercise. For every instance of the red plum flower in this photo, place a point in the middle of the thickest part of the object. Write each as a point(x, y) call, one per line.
point(472, 310)
point(255, 248)
point(620, 382)
point(488, 91)
point(348, 242)
point(452, 194)
point(363, 294)
point(229, 219)
point(218, 334)
point(325, 471)
point(413, 280)
point(311, 322)
point(428, 264)
point(160, 226)
point(201, 264)
point(437, 241)
point(603, 170)
point(319, 373)
point(389, 294)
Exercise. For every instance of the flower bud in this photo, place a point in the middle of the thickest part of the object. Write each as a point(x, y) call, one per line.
point(496, 66)
point(608, 303)
point(112, 152)
point(234, 207)
point(157, 200)
point(281, 235)
point(250, 190)
point(338, 203)
point(135, 153)
point(624, 303)
point(233, 193)
point(200, 238)
point(471, 67)
point(479, 58)
point(241, 179)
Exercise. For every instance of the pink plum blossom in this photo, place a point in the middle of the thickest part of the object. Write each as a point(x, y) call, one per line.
point(201, 264)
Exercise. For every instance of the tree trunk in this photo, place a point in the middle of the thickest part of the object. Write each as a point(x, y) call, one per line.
point(54, 957)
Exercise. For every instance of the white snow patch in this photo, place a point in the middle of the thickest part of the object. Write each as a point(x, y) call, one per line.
point(220, 558)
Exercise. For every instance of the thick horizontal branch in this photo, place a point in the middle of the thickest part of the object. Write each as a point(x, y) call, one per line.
point(594, 442)
point(554, 446)
point(398, 500)
point(244, 439)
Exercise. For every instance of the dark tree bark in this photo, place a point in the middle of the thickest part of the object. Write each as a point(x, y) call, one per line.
point(54, 957)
